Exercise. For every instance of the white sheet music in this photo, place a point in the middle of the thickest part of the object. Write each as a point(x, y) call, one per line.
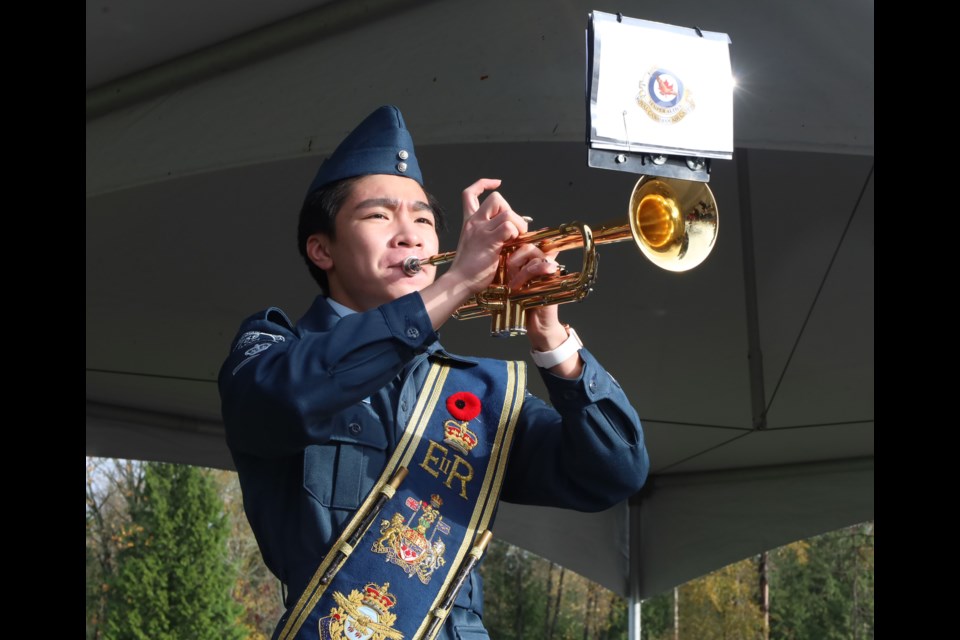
point(660, 88)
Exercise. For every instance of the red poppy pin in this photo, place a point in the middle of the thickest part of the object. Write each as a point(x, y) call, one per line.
point(464, 406)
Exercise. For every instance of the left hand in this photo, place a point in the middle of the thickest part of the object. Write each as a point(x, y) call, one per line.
point(544, 328)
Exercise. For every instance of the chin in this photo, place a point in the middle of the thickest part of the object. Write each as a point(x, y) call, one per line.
point(402, 290)
point(414, 282)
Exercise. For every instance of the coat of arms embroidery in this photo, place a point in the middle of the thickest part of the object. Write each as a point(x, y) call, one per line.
point(413, 543)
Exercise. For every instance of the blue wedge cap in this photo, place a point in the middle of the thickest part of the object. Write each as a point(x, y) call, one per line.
point(380, 144)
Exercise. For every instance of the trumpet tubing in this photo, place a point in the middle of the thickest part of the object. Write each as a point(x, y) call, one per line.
point(673, 222)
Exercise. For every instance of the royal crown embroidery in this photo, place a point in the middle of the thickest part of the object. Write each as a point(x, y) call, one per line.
point(457, 435)
point(362, 615)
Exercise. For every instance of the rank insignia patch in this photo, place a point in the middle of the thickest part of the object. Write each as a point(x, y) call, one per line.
point(416, 549)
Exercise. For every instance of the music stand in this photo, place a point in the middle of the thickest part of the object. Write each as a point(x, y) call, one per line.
point(659, 97)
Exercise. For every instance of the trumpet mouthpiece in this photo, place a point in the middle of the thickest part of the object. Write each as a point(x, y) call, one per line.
point(411, 266)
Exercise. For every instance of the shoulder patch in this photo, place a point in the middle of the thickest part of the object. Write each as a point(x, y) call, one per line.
point(259, 338)
point(257, 348)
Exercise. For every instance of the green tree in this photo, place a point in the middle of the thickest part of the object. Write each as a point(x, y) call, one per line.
point(656, 616)
point(822, 588)
point(527, 597)
point(172, 580)
point(514, 592)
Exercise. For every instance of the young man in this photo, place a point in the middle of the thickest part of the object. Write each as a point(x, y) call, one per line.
point(371, 459)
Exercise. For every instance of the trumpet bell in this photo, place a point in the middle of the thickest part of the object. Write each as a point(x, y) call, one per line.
point(674, 222)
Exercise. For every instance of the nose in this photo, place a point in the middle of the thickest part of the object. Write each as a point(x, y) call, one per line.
point(408, 235)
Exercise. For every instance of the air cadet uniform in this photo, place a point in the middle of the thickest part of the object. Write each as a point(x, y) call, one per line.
point(316, 412)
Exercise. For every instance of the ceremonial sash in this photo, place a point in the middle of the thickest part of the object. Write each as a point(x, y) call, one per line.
point(393, 572)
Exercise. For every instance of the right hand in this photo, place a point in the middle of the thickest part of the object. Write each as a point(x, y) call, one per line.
point(486, 227)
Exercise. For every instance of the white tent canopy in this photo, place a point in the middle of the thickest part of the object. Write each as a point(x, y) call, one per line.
point(752, 374)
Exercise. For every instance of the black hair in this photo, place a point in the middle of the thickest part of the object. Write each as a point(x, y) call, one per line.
point(318, 215)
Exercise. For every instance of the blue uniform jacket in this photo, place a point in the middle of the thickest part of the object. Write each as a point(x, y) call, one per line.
point(310, 431)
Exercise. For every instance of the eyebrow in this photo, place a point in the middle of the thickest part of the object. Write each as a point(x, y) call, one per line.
point(392, 203)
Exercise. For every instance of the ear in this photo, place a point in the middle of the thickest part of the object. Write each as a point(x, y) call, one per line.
point(318, 250)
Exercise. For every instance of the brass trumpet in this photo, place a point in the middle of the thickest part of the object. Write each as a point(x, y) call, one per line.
point(673, 221)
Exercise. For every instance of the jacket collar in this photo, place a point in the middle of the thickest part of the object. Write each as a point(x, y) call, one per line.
point(319, 317)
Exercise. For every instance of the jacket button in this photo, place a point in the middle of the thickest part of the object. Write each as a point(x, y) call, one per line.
point(403, 406)
point(412, 332)
point(355, 428)
point(593, 384)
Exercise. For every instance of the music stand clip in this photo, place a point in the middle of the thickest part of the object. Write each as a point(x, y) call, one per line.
point(651, 164)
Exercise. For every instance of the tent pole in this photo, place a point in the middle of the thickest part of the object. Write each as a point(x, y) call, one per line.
point(634, 629)
point(634, 601)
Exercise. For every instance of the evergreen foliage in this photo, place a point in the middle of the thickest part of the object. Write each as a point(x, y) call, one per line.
point(822, 588)
point(172, 580)
point(656, 616)
point(527, 597)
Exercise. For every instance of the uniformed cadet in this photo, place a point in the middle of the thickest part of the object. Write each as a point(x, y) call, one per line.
point(371, 459)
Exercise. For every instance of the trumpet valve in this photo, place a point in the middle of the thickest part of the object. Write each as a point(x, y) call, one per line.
point(509, 320)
